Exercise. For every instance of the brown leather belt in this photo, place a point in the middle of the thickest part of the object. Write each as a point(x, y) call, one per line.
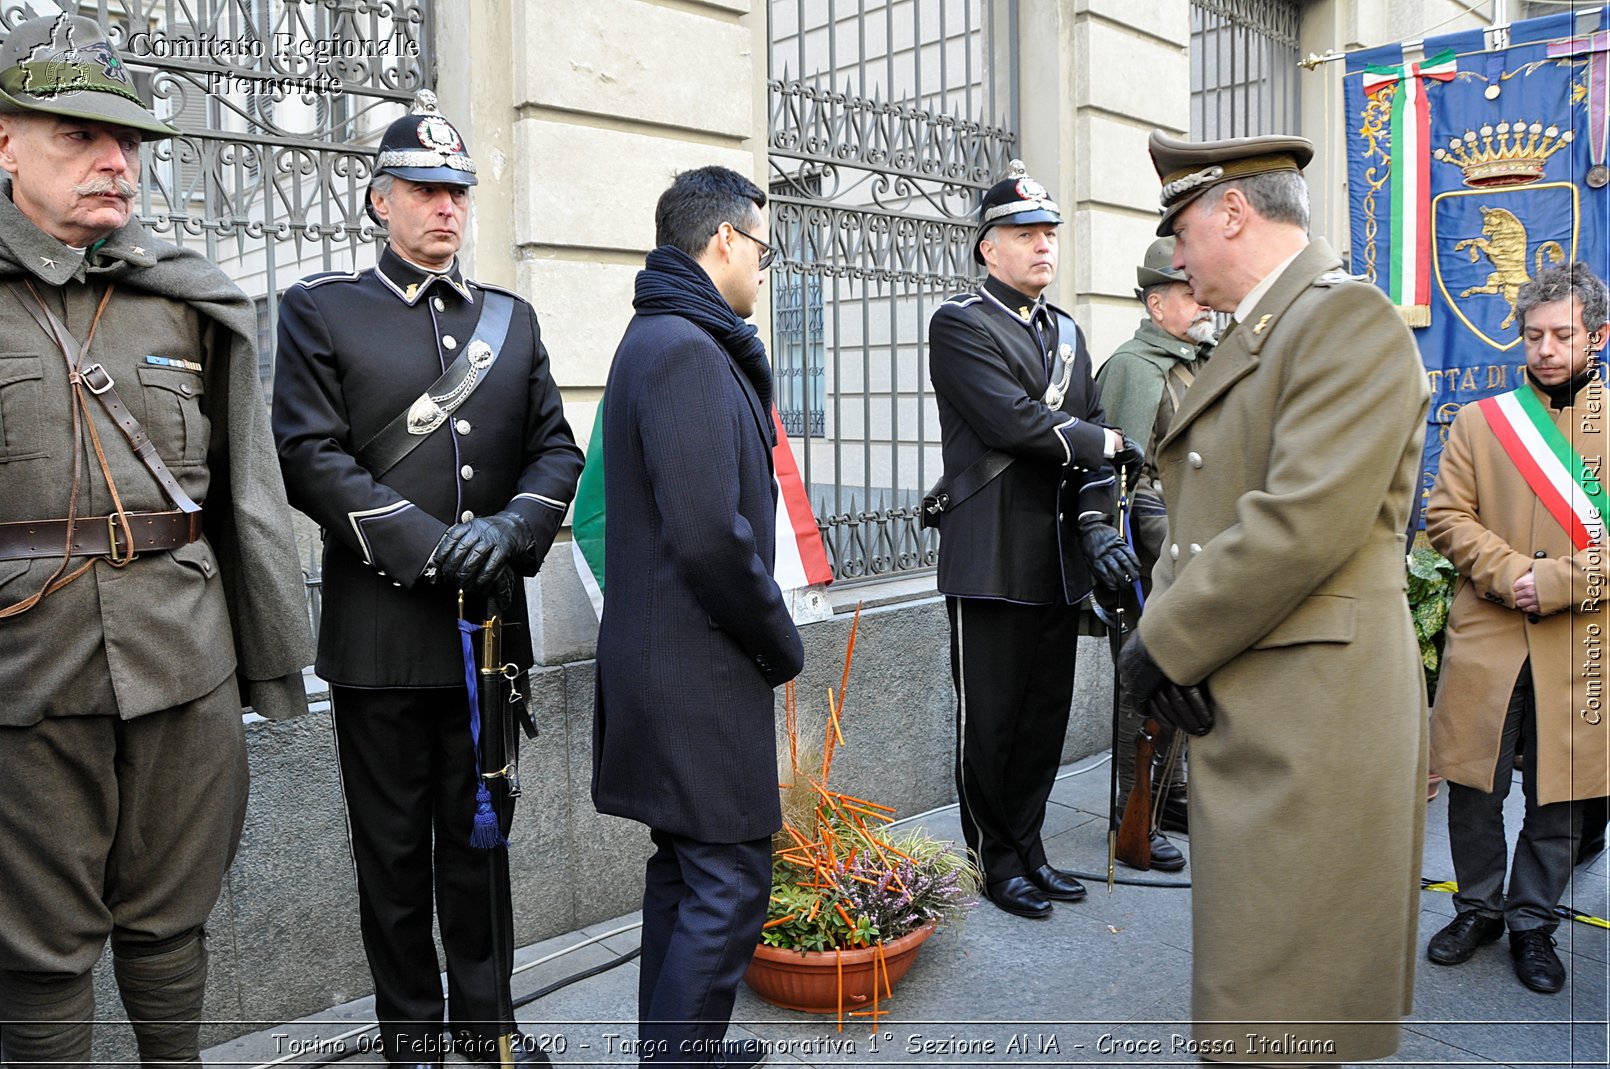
point(100, 536)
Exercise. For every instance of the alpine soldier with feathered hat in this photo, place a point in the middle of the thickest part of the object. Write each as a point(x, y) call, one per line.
point(148, 577)
point(1024, 509)
point(419, 423)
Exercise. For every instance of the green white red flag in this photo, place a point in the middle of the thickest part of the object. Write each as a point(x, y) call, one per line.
point(1410, 135)
point(801, 560)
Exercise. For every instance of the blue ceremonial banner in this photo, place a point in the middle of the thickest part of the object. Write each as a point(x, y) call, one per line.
point(1468, 171)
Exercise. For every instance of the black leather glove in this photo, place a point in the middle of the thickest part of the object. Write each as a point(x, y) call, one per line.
point(1139, 677)
point(1111, 560)
point(1184, 707)
point(472, 554)
point(1129, 458)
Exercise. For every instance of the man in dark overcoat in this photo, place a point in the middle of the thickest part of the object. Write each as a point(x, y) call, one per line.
point(419, 423)
point(143, 595)
point(695, 632)
point(1025, 535)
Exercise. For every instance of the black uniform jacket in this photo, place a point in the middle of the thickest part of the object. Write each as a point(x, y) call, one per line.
point(1016, 539)
point(354, 351)
point(695, 633)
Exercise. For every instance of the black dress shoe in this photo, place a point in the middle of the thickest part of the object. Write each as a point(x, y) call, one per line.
point(1019, 896)
point(1166, 857)
point(1458, 940)
point(1536, 964)
point(740, 1054)
point(1056, 884)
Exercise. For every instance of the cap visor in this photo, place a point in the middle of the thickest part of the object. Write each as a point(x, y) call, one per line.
point(106, 108)
point(451, 176)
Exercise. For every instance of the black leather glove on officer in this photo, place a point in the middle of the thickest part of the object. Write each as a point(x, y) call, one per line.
point(471, 554)
point(1111, 561)
point(1129, 459)
point(1143, 683)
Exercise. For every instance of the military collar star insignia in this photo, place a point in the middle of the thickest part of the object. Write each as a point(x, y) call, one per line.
point(136, 250)
point(49, 262)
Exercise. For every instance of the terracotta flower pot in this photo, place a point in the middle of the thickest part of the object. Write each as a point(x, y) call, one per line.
point(810, 981)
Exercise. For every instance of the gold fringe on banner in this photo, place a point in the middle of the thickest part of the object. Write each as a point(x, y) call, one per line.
point(1415, 315)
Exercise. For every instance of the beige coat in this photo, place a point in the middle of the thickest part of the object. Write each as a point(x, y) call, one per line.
point(1289, 468)
point(1485, 518)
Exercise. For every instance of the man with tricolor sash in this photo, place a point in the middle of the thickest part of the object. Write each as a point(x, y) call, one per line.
point(1519, 508)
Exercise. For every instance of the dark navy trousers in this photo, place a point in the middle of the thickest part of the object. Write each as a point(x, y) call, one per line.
point(703, 908)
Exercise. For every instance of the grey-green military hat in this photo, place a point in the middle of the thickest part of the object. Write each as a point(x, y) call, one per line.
point(1190, 168)
point(1158, 266)
point(63, 65)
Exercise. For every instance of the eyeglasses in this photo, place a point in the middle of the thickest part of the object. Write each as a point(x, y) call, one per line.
point(768, 254)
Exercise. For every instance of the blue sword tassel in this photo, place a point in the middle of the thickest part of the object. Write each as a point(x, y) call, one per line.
point(485, 834)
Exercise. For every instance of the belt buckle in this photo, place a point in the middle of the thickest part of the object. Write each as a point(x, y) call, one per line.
point(111, 542)
point(97, 379)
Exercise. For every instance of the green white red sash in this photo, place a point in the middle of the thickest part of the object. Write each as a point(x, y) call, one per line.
point(1411, 177)
point(1556, 473)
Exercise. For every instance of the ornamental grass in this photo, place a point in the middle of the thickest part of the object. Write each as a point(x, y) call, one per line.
point(842, 878)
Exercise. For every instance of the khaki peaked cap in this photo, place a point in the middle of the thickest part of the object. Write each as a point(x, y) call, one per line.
point(1190, 168)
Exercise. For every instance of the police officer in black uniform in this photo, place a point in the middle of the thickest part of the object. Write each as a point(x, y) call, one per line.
point(1027, 494)
point(418, 422)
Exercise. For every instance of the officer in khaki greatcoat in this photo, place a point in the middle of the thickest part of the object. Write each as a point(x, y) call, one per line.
point(148, 578)
point(1289, 468)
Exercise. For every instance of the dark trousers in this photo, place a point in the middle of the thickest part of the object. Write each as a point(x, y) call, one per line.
point(408, 773)
point(703, 907)
point(1013, 670)
point(1546, 849)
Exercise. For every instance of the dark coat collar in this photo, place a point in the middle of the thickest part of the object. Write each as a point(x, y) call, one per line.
point(410, 282)
point(1021, 305)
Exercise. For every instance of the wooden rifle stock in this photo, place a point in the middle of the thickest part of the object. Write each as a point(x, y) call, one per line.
point(1135, 829)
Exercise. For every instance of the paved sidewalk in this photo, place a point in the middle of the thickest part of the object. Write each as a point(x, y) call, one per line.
point(1102, 982)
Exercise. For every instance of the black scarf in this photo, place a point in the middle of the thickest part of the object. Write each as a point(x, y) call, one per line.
point(673, 283)
point(1562, 395)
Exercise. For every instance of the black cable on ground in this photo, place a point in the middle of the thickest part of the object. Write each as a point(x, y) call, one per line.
point(544, 992)
point(1128, 881)
point(373, 1037)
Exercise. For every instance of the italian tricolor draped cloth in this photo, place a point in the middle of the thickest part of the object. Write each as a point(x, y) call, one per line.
point(1411, 177)
point(801, 559)
point(1557, 474)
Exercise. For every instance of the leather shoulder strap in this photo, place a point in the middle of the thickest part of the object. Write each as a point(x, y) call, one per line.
point(100, 383)
point(429, 411)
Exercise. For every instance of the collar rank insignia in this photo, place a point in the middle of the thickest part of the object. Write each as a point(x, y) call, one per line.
point(408, 295)
point(1262, 322)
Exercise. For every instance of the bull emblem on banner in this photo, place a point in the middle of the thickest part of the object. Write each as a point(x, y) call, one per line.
point(1507, 222)
point(1503, 242)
